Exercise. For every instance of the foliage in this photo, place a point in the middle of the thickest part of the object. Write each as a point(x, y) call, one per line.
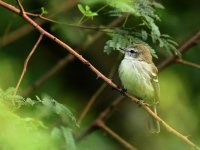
point(86, 11)
point(31, 124)
point(123, 39)
point(43, 11)
point(145, 29)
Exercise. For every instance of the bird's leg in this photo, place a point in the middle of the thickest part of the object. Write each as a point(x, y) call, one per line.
point(122, 91)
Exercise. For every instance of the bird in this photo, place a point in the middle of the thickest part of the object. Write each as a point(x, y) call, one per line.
point(138, 75)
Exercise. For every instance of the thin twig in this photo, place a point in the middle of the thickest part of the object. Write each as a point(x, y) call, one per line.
point(97, 72)
point(97, 28)
point(20, 7)
point(102, 125)
point(184, 62)
point(26, 62)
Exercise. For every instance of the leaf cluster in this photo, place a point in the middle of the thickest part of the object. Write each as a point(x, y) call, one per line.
point(144, 31)
point(145, 11)
point(86, 11)
point(36, 120)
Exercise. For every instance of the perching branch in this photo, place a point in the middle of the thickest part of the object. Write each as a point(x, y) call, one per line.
point(64, 61)
point(27, 61)
point(115, 103)
point(97, 72)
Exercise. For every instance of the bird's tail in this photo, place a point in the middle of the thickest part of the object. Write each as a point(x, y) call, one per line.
point(153, 124)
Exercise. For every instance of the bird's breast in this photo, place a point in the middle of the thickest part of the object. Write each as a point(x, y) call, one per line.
point(136, 78)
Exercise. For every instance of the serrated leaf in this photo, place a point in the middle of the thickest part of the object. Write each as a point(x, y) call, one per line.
point(87, 8)
point(123, 5)
point(144, 35)
point(81, 9)
point(66, 115)
point(56, 134)
point(172, 42)
point(69, 139)
point(86, 12)
point(158, 5)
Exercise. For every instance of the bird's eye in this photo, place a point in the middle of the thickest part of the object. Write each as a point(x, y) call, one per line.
point(132, 51)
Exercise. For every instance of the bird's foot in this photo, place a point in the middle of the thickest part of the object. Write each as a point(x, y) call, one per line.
point(141, 102)
point(122, 91)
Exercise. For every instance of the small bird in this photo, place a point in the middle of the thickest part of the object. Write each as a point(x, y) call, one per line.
point(138, 75)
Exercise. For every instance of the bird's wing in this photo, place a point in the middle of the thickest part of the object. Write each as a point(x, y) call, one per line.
point(155, 84)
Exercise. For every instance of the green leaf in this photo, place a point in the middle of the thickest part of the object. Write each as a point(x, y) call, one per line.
point(86, 11)
point(144, 35)
point(158, 5)
point(122, 39)
point(38, 119)
point(69, 139)
point(43, 11)
point(65, 114)
point(124, 6)
point(81, 9)
point(87, 8)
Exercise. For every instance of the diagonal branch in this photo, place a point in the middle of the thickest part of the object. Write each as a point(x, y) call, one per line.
point(97, 72)
point(64, 61)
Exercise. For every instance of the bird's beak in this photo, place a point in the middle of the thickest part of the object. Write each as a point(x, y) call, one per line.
point(123, 50)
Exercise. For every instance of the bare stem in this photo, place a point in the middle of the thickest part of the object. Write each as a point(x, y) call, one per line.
point(188, 63)
point(26, 62)
point(20, 7)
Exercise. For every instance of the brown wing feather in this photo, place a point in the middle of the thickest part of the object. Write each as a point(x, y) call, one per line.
point(155, 84)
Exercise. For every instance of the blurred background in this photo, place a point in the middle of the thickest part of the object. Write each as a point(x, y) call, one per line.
point(75, 84)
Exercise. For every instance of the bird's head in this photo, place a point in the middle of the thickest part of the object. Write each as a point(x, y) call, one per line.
point(138, 52)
